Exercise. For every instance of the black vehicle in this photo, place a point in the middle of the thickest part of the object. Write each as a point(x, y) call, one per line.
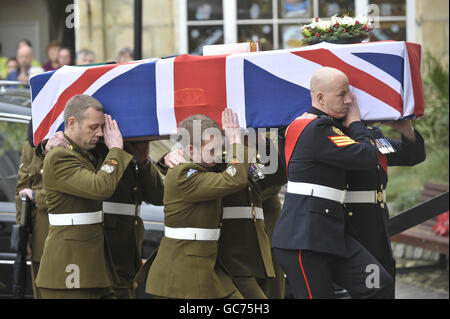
point(15, 113)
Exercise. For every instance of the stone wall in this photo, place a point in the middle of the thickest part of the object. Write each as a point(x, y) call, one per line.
point(106, 26)
point(432, 25)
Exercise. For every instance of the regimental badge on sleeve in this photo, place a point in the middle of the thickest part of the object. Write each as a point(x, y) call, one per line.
point(107, 168)
point(231, 170)
point(191, 172)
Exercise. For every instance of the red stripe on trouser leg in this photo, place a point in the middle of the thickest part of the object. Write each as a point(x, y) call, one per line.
point(303, 272)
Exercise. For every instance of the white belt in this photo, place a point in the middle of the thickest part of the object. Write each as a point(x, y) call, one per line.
point(188, 233)
point(121, 209)
point(242, 212)
point(316, 191)
point(75, 218)
point(370, 197)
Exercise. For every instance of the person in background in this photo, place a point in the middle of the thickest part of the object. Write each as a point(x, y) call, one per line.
point(12, 65)
point(125, 55)
point(64, 57)
point(24, 58)
point(26, 42)
point(84, 57)
point(52, 54)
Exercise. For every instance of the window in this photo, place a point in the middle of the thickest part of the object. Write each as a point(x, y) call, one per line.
point(275, 24)
point(392, 17)
point(204, 23)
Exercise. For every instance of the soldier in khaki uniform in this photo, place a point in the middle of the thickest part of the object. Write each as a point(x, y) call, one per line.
point(186, 264)
point(124, 229)
point(244, 245)
point(75, 262)
point(30, 183)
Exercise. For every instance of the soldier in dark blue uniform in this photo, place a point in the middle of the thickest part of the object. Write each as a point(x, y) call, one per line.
point(366, 209)
point(310, 238)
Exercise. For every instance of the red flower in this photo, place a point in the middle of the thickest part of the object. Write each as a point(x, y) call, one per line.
point(356, 22)
point(336, 25)
point(317, 34)
point(345, 30)
point(364, 27)
point(317, 19)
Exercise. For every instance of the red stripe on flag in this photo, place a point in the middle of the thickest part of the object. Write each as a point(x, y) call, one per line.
point(415, 57)
point(357, 77)
point(200, 86)
point(78, 87)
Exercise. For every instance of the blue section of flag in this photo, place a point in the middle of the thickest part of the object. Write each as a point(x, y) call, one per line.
point(271, 101)
point(389, 63)
point(130, 99)
point(38, 82)
point(60, 128)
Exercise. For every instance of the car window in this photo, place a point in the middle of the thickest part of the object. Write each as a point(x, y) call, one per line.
point(12, 138)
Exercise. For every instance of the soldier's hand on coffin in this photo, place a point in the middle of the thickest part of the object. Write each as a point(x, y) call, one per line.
point(353, 114)
point(404, 127)
point(140, 150)
point(230, 124)
point(57, 140)
point(174, 158)
point(111, 133)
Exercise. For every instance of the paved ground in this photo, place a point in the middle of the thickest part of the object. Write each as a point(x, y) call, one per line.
point(411, 291)
point(421, 284)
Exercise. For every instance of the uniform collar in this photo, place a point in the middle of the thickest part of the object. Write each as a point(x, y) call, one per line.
point(78, 149)
point(316, 111)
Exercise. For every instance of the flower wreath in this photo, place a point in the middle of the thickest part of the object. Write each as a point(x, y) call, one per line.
point(337, 29)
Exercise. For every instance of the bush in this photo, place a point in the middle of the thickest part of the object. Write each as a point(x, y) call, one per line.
point(405, 183)
point(434, 124)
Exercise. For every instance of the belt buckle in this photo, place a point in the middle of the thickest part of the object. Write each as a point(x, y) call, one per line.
point(379, 196)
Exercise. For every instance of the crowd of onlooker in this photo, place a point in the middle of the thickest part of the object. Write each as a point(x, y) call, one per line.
point(24, 65)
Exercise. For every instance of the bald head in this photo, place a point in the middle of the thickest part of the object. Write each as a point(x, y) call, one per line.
point(326, 78)
point(24, 57)
point(330, 92)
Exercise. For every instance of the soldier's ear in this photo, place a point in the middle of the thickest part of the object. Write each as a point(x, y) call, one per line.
point(320, 98)
point(189, 149)
point(72, 121)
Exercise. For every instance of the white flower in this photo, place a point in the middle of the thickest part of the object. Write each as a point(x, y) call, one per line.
point(363, 20)
point(324, 25)
point(334, 19)
point(348, 21)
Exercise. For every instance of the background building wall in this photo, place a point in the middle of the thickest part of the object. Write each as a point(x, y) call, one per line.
point(24, 19)
point(106, 26)
point(432, 23)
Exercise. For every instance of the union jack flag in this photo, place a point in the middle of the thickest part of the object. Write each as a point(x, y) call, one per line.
point(266, 89)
